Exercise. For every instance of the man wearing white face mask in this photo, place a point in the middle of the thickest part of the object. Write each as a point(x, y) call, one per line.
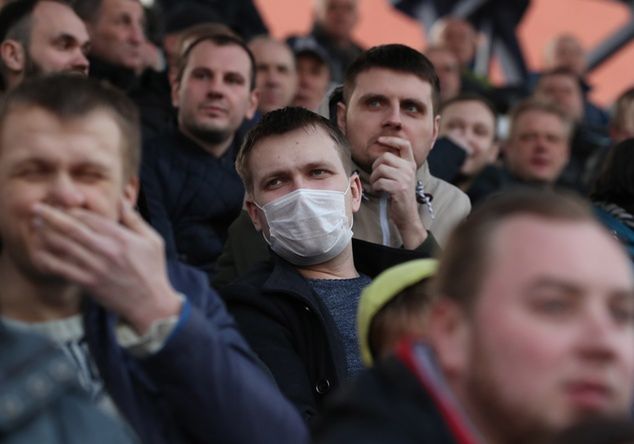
point(298, 311)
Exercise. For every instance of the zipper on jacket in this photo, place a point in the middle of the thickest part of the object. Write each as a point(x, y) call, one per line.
point(384, 219)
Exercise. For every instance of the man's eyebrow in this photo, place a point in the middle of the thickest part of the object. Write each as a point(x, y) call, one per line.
point(551, 283)
point(417, 102)
point(319, 164)
point(548, 283)
point(369, 96)
point(274, 173)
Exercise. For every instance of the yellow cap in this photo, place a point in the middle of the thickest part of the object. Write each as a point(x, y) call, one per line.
point(383, 288)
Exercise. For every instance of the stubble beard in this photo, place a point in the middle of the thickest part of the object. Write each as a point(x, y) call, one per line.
point(500, 421)
point(208, 134)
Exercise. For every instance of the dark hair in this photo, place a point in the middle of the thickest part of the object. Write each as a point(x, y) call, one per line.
point(71, 97)
point(335, 98)
point(615, 183)
point(282, 121)
point(398, 58)
point(471, 97)
point(390, 322)
point(466, 258)
point(87, 10)
point(219, 38)
point(532, 104)
point(14, 20)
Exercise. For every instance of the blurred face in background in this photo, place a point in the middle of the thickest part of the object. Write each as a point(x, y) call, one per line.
point(118, 34)
point(448, 70)
point(564, 91)
point(472, 125)
point(538, 146)
point(276, 77)
point(337, 17)
point(313, 75)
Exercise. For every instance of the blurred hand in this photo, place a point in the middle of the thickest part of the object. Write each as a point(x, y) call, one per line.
point(121, 265)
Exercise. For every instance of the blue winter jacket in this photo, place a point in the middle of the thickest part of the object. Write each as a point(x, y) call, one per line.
point(204, 386)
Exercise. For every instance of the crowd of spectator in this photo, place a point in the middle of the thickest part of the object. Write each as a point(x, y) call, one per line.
point(208, 234)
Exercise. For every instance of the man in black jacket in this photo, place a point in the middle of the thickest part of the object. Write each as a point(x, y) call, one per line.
point(191, 189)
point(531, 331)
point(298, 311)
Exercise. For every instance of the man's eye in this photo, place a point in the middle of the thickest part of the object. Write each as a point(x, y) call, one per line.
point(481, 131)
point(622, 313)
point(411, 108)
point(317, 172)
point(33, 173)
point(235, 80)
point(89, 176)
point(554, 306)
point(201, 75)
point(272, 183)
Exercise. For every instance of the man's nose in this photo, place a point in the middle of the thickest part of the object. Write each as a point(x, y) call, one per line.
point(272, 78)
point(393, 117)
point(136, 35)
point(599, 337)
point(63, 192)
point(215, 87)
point(80, 62)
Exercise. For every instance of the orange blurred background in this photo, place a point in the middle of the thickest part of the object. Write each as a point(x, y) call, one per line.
point(590, 20)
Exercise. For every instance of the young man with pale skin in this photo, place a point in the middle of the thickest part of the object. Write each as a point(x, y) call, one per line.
point(389, 116)
point(531, 331)
point(81, 267)
point(297, 311)
point(41, 37)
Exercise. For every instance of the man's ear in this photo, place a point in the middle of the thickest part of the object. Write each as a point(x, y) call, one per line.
point(253, 212)
point(131, 191)
point(448, 331)
point(436, 130)
point(341, 117)
point(356, 191)
point(176, 86)
point(254, 99)
point(13, 55)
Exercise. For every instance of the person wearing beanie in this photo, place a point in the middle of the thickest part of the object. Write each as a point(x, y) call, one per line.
point(394, 307)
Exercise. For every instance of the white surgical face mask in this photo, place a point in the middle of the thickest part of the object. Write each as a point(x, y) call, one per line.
point(308, 227)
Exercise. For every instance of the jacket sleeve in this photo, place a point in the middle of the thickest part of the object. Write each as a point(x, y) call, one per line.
point(212, 380)
point(270, 337)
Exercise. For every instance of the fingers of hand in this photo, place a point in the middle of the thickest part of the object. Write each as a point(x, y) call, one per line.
point(51, 218)
point(395, 169)
point(52, 263)
point(403, 146)
point(74, 242)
